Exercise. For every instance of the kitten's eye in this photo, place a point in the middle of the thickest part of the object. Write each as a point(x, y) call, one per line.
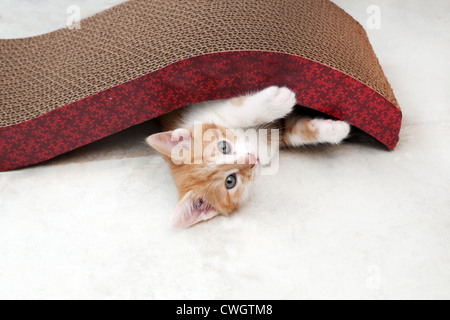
point(224, 147)
point(231, 181)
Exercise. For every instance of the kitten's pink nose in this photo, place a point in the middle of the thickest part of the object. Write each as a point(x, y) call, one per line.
point(252, 160)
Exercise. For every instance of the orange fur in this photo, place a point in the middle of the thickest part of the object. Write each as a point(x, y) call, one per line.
point(208, 184)
point(298, 127)
point(207, 181)
point(239, 101)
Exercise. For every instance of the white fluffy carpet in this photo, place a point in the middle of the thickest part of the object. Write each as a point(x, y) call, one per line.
point(352, 221)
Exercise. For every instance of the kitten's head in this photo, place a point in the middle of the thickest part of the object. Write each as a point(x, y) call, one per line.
point(213, 169)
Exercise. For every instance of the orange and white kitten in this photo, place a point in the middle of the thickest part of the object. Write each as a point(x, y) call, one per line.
point(217, 179)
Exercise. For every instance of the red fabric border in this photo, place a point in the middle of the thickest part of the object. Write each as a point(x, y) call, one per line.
point(202, 78)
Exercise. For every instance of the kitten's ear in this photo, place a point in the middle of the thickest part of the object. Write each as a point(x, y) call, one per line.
point(192, 210)
point(165, 142)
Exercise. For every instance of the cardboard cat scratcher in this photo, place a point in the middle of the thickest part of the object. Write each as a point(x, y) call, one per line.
point(136, 61)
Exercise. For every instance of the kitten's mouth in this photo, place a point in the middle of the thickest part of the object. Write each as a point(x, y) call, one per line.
point(252, 160)
point(254, 164)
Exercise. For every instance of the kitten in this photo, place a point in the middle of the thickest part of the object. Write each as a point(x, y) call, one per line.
point(214, 163)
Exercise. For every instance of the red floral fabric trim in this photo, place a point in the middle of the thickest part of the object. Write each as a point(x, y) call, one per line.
point(202, 78)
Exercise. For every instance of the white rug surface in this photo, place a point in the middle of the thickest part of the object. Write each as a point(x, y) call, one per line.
point(350, 221)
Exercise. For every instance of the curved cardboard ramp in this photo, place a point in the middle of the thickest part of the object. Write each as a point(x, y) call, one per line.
point(136, 61)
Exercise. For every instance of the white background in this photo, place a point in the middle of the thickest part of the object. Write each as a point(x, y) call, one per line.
point(352, 221)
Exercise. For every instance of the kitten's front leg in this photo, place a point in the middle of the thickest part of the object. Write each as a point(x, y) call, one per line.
point(261, 108)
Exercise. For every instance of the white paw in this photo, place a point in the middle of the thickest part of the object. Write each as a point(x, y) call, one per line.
point(275, 102)
point(331, 131)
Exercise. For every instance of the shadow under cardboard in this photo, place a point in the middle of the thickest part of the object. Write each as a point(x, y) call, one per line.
point(130, 143)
